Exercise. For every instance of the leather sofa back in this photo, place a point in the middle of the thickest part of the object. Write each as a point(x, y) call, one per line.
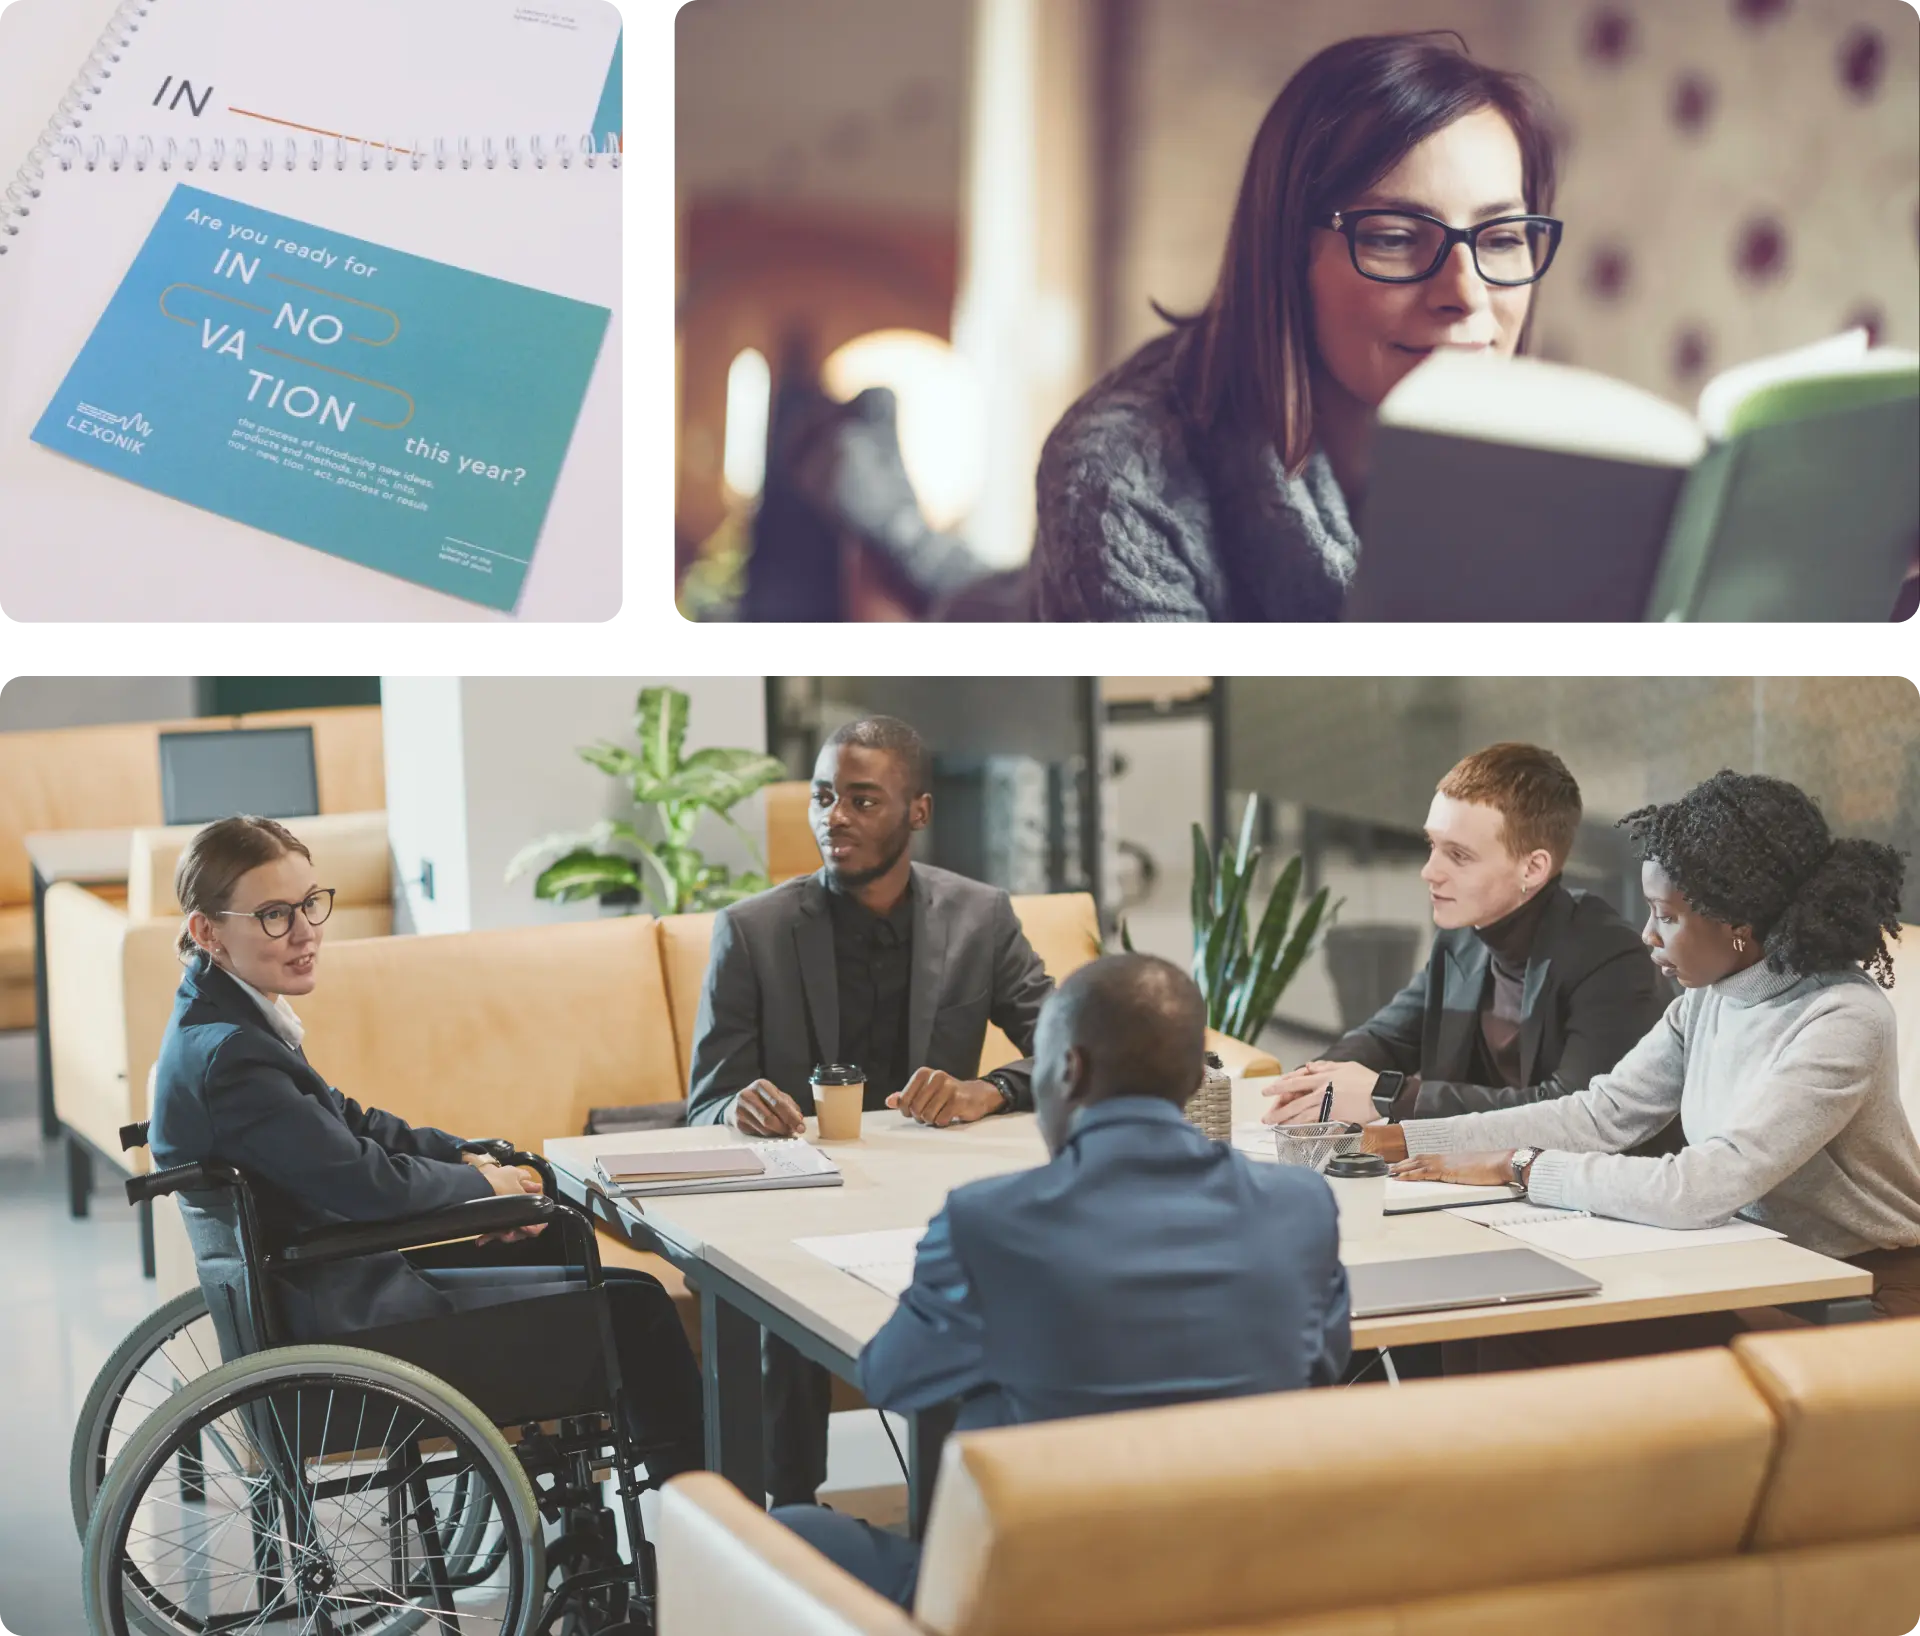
point(1317, 1505)
point(1848, 1405)
point(515, 1033)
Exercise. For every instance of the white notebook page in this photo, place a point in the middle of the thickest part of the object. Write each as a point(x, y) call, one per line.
point(1581, 1237)
point(387, 71)
point(81, 545)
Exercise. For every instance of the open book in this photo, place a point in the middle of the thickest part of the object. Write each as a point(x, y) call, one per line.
point(1512, 488)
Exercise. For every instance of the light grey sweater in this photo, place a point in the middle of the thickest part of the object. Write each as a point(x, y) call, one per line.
point(1788, 1090)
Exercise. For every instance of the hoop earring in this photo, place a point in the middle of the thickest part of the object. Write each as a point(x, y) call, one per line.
point(1739, 945)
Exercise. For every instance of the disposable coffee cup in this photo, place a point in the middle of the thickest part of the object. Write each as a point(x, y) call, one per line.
point(839, 1095)
point(1359, 1183)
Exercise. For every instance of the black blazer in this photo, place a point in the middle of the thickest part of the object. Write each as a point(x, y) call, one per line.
point(227, 1087)
point(770, 1006)
point(1590, 993)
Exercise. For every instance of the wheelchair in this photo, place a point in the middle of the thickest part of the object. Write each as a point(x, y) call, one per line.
point(448, 1475)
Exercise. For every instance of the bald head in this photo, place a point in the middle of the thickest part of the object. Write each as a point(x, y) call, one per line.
point(1125, 1025)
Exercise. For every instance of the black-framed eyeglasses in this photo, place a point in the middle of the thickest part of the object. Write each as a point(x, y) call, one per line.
point(1404, 247)
point(276, 919)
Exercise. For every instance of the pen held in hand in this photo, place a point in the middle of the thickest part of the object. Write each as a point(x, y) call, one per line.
point(1326, 1103)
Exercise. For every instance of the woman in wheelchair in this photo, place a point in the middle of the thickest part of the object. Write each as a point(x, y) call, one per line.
point(235, 1087)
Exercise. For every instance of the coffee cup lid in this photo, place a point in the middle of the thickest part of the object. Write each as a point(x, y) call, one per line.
point(839, 1073)
point(1355, 1166)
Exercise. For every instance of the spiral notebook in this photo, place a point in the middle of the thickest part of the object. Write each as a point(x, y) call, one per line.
point(280, 356)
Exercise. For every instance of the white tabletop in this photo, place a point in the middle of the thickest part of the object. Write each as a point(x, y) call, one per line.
point(899, 1174)
point(95, 855)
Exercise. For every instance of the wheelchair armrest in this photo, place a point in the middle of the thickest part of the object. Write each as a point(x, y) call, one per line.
point(197, 1177)
point(500, 1214)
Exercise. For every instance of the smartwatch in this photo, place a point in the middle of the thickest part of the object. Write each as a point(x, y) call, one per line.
point(1004, 1086)
point(1386, 1092)
point(1522, 1165)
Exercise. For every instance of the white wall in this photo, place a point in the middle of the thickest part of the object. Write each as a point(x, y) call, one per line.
point(478, 768)
point(30, 702)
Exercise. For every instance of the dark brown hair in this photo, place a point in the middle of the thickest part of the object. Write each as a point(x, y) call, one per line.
point(1536, 797)
point(215, 859)
point(1342, 122)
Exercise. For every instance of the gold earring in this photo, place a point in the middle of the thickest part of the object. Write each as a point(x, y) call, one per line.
point(1739, 945)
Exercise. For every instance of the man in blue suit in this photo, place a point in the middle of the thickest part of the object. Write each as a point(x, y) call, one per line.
point(1143, 1265)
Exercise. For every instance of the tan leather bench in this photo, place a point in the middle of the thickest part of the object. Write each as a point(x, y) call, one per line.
point(1767, 1490)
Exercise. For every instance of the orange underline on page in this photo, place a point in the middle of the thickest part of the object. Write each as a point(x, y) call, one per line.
point(247, 113)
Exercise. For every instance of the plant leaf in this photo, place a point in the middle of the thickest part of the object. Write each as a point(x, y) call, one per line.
point(711, 785)
point(1247, 820)
point(611, 759)
point(1267, 939)
point(660, 720)
point(1228, 931)
point(1200, 904)
point(603, 837)
point(1314, 919)
point(585, 875)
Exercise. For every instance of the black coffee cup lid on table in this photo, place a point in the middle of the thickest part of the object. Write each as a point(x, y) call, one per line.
point(1347, 1167)
point(839, 1073)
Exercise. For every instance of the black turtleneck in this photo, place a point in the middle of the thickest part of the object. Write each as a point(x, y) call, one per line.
point(1509, 942)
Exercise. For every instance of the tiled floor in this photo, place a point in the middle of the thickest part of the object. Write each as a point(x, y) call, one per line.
point(68, 1291)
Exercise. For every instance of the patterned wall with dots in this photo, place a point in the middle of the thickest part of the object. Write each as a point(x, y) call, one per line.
point(1742, 175)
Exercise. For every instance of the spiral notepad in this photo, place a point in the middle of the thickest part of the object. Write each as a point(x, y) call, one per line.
point(267, 329)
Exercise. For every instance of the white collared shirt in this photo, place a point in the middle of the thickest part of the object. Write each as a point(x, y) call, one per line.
point(280, 1015)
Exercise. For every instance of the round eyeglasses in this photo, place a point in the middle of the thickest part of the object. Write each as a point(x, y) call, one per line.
point(1402, 247)
point(276, 919)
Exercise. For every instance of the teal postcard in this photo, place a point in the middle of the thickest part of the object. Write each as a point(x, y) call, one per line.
point(395, 411)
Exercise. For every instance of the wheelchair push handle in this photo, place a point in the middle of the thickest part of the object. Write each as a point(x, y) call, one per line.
point(198, 1177)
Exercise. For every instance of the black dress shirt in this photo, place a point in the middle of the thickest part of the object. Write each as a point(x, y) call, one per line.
point(873, 964)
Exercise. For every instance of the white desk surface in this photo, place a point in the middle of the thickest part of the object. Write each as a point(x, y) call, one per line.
point(899, 1174)
point(96, 855)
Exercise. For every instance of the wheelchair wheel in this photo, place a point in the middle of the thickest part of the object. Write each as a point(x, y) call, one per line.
point(169, 1348)
point(333, 1490)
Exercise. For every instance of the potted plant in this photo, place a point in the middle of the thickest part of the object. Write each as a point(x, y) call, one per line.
point(1242, 967)
point(616, 862)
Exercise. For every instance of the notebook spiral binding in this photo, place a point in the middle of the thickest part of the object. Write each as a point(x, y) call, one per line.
point(61, 147)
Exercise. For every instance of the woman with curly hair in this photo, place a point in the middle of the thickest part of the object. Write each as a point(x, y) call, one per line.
point(1778, 1056)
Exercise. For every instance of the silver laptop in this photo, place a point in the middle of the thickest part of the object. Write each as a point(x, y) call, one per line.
point(1438, 1283)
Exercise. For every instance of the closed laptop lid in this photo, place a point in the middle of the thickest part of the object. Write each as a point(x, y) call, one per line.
point(1379, 1289)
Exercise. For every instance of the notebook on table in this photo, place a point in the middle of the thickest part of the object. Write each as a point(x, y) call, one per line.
point(1513, 488)
point(1584, 1237)
point(738, 1167)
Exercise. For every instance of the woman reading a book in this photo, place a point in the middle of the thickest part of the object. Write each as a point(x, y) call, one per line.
point(1394, 205)
point(233, 1084)
point(1778, 1056)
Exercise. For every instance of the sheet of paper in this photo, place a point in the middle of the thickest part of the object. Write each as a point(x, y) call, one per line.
point(393, 72)
point(1256, 1141)
point(1581, 1237)
point(396, 411)
point(883, 1259)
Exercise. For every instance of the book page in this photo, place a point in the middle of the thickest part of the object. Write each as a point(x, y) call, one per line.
point(1722, 396)
point(1533, 404)
point(394, 72)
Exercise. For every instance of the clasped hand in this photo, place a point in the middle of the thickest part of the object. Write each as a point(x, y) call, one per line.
point(1297, 1096)
point(508, 1181)
point(931, 1096)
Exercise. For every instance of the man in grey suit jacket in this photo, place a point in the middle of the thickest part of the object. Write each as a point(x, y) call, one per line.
point(1174, 1268)
point(876, 961)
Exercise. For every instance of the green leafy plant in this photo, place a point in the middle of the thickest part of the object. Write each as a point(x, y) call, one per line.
point(616, 860)
point(1244, 976)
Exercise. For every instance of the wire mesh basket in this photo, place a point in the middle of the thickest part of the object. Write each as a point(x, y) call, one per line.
point(1314, 1145)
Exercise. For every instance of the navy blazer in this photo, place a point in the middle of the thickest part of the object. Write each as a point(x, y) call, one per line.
point(770, 1005)
point(229, 1088)
point(1144, 1265)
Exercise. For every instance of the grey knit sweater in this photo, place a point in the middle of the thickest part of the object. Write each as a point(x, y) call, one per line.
point(1140, 518)
point(1788, 1090)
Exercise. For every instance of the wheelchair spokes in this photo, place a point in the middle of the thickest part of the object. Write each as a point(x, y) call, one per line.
point(316, 1503)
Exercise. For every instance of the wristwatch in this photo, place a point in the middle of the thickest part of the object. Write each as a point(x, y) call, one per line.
point(1386, 1092)
point(1004, 1086)
point(1522, 1165)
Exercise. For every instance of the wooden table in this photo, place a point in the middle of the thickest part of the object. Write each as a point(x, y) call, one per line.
point(738, 1251)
